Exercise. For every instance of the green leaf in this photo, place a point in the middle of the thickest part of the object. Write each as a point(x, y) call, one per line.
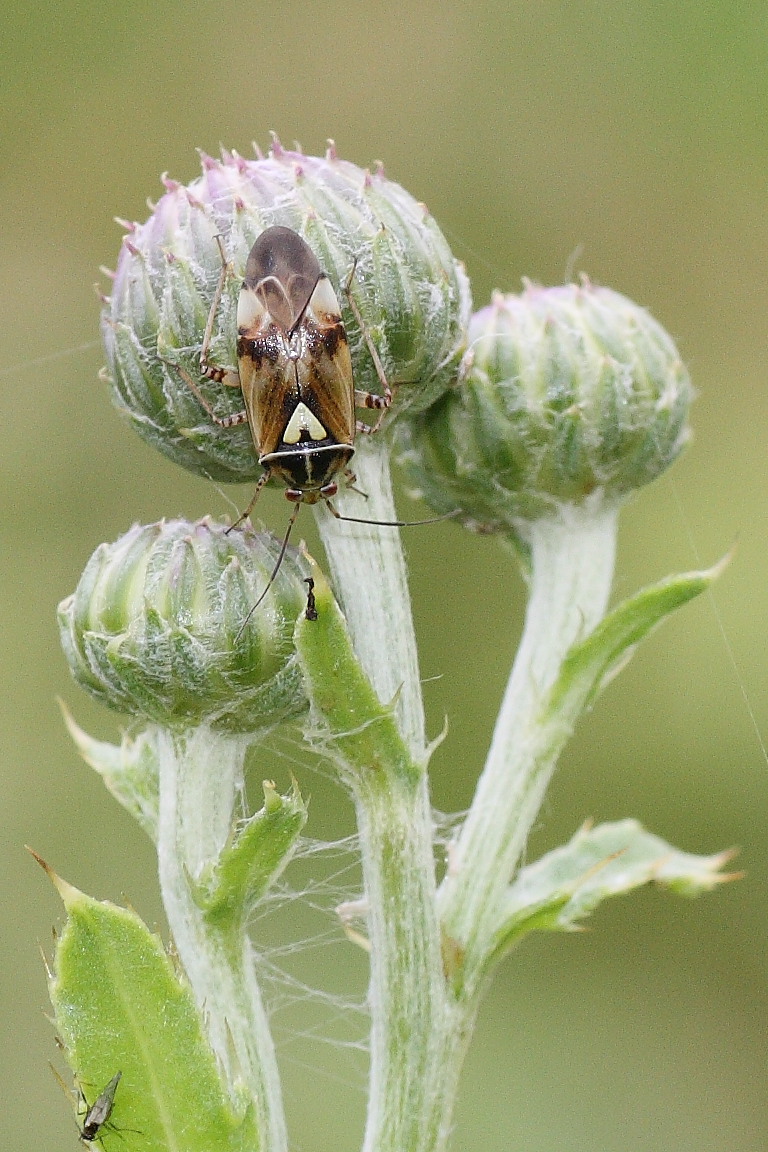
point(259, 852)
point(590, 665)
point(121, 1007)
point(567, 884)
point(129, 769)
point(361, 734)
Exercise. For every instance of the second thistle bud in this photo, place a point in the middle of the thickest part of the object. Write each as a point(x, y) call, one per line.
point(155, 627)
point(563, 392)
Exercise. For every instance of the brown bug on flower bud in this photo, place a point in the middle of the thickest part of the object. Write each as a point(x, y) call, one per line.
point(295, 373)
point(294, 369)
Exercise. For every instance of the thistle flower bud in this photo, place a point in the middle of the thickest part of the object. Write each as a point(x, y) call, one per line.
point(155, 627)
point(562, 392)
point(411, 293)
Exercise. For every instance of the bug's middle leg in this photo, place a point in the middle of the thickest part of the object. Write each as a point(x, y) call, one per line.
point(228, 376)
point(222, 421)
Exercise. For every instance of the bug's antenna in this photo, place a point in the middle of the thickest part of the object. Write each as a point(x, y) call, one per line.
point(275, 571)
point(311, 613)
point(394, 523)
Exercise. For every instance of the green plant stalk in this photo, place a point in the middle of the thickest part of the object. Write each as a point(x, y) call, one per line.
point(370, 580)
point(419, 1029)
point(572, 563)
point(408, 995)
point(201, 776)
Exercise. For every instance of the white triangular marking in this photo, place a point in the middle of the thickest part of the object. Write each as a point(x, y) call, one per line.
point(303, 420)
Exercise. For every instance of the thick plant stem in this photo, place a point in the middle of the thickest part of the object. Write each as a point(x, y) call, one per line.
point(201, 773)
point(371, 584)
point(409, 999)
point(407, 990)
point(572, 561)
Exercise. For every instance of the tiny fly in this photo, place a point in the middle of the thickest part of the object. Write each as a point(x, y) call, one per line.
point(95, 1116)
point(100, 1111)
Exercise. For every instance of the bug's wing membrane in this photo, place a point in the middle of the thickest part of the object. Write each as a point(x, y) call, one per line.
point(283, 270)
point(276, 302)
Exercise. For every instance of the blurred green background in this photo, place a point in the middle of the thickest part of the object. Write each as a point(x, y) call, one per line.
point(627, 140)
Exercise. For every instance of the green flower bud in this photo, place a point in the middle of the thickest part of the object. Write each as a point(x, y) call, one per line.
point(412, 294)
point(155, 627)
point(563, 392)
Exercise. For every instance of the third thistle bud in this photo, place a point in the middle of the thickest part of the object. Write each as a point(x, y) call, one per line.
point(161, 627)
point(564, 392)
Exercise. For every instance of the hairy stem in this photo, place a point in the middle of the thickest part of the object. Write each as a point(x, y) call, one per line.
point(371, 584)
point(407, 991)
point(201, 773)
point(384, 767)
point(572, 561)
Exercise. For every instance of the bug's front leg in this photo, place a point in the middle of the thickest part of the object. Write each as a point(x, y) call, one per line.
point(244, 515)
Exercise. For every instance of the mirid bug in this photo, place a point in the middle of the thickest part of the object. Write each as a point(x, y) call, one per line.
point(295, 373)
point(294, 369)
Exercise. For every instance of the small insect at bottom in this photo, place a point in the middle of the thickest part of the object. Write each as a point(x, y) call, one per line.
point(311, 609)
point(98, 1114)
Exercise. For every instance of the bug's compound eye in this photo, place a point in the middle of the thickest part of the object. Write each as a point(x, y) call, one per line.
point(329, 490)
point(295, 495)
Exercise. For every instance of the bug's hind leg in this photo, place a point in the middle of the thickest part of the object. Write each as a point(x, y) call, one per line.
point(228, 376)
point(368, 399)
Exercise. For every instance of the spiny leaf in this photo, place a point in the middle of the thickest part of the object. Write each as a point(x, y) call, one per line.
point(567, 884)
point(129, 769)
point(258, 853)
point(589, 665)
point(121, 1007)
